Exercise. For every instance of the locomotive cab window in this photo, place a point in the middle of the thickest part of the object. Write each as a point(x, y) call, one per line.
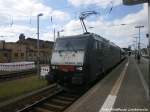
point(99, 46)
point(96, 46)
point(70, 44)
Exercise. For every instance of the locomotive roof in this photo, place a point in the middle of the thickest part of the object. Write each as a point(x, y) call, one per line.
point(113, 44)
point(84, 35)
point(76, 36)
point(95, 36)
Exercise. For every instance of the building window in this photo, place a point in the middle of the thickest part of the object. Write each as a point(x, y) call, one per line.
point(22, 54)
point(16, 54)
point(5, 54)
point(35, 54)
point(30, 54)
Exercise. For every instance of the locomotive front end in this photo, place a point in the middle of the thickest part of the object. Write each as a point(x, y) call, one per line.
point(67, 62)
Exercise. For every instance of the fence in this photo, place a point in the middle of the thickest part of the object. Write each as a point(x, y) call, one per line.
point(16, 66)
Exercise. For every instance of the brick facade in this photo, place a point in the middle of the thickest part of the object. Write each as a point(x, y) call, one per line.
point(26, 50)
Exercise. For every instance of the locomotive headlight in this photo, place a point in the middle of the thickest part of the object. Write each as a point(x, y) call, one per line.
point(54, 67)
point(79, 68)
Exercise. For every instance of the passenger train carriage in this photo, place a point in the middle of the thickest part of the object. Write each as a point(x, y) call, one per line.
point(79, 60)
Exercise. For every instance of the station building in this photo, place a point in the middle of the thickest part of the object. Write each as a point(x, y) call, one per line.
point(25, 49)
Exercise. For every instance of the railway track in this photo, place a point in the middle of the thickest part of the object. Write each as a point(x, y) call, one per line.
point(24, 101)
point(48, 99)
point(55, 102)
point(16, 75)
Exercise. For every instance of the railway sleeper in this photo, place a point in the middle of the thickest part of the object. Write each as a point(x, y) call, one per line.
point(62, 102)
point(69, 95)
point(57, 107)
point(39, 109)
point(57, 103)
point(50, 108)
point(65, 98)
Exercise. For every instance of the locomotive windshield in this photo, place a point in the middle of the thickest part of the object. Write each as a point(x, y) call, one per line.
point(70, 44)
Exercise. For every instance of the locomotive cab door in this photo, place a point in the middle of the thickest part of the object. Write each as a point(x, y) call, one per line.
point(96, 60)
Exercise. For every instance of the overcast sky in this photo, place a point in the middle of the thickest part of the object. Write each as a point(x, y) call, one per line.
point(19, 16)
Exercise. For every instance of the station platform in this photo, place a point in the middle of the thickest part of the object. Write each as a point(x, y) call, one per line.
point(122, 90)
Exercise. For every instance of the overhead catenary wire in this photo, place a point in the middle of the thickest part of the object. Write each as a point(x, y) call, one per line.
point(31, 18)
point(62, 8)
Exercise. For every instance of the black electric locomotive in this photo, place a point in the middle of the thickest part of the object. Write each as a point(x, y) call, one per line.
point(79, 60)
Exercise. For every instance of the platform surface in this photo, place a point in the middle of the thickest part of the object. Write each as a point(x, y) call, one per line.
point(122, 90)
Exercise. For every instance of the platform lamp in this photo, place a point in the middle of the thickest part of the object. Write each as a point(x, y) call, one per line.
point(139, 27)
point(58, 33)
point(38, 53)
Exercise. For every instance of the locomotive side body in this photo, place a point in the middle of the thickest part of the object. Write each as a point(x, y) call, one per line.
point(102, 56)
point(79, 60)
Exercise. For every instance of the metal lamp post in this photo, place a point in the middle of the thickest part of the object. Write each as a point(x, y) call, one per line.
point(149, 41)
point(38, 53)
point(58, 33)
point(139, 27)
point(136, 42)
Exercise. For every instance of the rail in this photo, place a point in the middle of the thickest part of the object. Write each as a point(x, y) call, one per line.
point(22, 102)
point(16, 75)
point(58, 101)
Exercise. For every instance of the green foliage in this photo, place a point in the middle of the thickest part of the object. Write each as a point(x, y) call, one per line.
point(18, 87)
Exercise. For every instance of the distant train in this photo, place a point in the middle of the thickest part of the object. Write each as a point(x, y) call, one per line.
point(78, 61)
